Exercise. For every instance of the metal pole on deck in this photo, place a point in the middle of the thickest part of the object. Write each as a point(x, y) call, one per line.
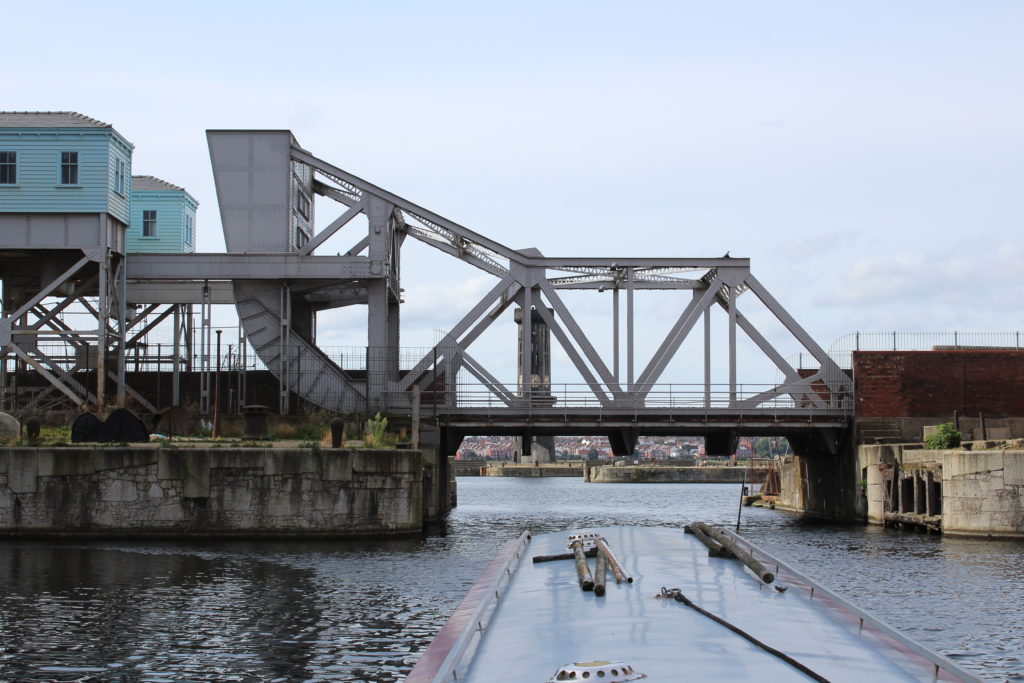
point(739, 512)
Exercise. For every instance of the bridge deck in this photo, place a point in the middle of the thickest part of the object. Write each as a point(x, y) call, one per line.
point(650, 421)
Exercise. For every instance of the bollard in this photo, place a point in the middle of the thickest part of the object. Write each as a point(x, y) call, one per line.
point(337, 432)
point(86, 428)
point(255, 421)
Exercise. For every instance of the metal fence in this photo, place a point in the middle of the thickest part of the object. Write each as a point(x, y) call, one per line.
point(336, 376)
point(842, 349)
point(660, 397)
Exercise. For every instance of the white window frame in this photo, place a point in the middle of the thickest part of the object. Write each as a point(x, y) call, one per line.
point(149, 221)
point(72, 168)
point(119, 187)
point(12, 165)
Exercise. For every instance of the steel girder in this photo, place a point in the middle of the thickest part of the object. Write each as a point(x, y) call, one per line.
point(532, 281)
point(95, 280)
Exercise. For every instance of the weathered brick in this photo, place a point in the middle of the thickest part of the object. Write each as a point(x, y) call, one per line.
point(928, 383)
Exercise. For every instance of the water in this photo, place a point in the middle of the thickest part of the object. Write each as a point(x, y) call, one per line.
point(131, 611)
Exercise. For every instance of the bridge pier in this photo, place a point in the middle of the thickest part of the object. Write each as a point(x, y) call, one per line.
point(721, 443)
point(623, 441)
point(820, 483)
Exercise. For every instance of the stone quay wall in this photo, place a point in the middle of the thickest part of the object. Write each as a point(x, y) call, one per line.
point(982, 491)
point(611, 474)
point(961, 492)
point(194, 492)
point(541, 470)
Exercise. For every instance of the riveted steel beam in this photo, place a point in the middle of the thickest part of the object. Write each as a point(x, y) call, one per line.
point(242, 266)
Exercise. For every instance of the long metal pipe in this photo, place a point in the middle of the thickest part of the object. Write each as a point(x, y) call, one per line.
point(613, 562)
point(582, 569)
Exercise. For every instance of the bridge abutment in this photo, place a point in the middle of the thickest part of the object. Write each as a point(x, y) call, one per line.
point(822, 484)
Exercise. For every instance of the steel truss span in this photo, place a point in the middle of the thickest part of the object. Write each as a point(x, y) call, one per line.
point(278, 282)
point(265, 181)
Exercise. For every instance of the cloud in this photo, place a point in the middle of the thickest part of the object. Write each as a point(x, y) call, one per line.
point(813, 246)
point(439, 306)
point(934, 289)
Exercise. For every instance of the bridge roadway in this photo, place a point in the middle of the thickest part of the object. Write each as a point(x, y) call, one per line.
point(810, 432)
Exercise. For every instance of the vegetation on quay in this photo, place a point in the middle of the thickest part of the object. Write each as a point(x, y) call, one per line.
point(946, 436)
point(191, 428)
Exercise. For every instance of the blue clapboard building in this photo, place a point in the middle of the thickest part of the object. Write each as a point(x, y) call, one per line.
point(163, 217)
point(66, 178)
point(69, 216)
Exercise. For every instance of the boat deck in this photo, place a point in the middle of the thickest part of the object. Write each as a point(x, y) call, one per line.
point(523, 621)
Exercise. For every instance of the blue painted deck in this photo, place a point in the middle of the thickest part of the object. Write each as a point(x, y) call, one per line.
point(543, 621)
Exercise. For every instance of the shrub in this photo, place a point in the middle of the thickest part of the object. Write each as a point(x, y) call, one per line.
point(315, 426)
point(946, 436)
point(376, 432)
point(309, 431)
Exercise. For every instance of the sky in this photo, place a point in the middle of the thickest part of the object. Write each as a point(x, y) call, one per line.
point(867, 156)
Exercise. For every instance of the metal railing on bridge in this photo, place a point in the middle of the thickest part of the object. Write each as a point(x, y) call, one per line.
point(843, 348)
point(670, 401)
point(152, 364)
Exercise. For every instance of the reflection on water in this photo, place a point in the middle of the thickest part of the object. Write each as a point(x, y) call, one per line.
point(363, 611)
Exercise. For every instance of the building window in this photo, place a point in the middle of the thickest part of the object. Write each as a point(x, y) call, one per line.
point(119, 177)
point(301, 239)
point(149, 223)
point(302, 204)
point(189, 227)
point(69, 168)
point(8, 168)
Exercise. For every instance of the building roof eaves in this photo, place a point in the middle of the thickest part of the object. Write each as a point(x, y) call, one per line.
point(56, 120)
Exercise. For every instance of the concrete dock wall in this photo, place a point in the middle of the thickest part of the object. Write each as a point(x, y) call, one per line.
point(610, 474)
point(960, 492)
point(470, 468)
point(160, 491)
point(568, 469)
point(793, 484)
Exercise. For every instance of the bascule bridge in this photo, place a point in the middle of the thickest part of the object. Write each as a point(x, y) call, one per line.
point(267, 189)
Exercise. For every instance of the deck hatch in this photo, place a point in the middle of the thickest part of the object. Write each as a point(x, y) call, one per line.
point(606, 672)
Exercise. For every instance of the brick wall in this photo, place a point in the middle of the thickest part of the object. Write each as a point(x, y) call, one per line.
point(930, 383)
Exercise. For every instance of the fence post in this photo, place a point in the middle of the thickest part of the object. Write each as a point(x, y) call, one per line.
point(159, 371)
point(367, 363)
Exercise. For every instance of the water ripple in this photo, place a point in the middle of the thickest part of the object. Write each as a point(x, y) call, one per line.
point(365, 610)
